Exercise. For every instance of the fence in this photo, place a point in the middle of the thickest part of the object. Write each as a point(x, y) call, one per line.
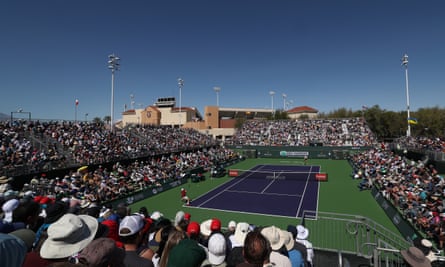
point(314, 152)
point(352, 235)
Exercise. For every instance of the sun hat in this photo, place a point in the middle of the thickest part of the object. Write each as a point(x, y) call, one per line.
point(68, 235)
point(13, 251)
point(133, 223)
point(26, 235)
point(288, 239)
point(193, 228)
point(215, 225)
point(415, 257)
point(205, 227)
point(8, 207)
point(272, 234)
point(241, 231)
point(102, 252)
point(302, 232)
point(156, 215)
point(3, 179)
point(179, 217)
point(427, 249)
point(217, 249)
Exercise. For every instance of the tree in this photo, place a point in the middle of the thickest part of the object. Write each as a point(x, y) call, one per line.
point(107, 119)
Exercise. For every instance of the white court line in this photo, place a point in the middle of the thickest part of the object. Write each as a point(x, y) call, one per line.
point(239, 181)
point(267, 194)
point(273, 181)
point(304, 191)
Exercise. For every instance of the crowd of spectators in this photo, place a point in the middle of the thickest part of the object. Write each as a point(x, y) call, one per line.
point(120, 180)
point(329, 132)
point(65, 232)
point(414, 187)
point(422, 143)
point(34, 146)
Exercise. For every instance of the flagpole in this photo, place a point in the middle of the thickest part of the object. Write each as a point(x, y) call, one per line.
point(405, 63)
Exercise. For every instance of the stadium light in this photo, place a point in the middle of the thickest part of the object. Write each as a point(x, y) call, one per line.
point(405, 63)
point(284, 101)
point(113, 64)
point(19, 111)
point(217, 90)
point(180, 84)
point(272, 93)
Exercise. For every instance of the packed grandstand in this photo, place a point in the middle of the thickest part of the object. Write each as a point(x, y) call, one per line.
point(50, 169)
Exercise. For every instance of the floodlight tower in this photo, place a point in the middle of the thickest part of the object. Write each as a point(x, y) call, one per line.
point(405, 63)
point(180, 84)
point(113, 64)
point(272, 93)
point(284, 101)
point(217, 90)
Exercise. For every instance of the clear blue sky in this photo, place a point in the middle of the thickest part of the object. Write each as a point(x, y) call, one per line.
point(326, 54)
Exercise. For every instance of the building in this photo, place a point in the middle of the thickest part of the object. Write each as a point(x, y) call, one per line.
point(220, 122)
point(302, 112)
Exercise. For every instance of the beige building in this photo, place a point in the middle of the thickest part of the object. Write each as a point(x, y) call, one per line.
point(302, 111)
point(220, 122)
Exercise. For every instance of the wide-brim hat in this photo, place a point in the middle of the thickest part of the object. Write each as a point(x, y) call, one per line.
point(415, 257)
point(272, 234)
point(288, 239)
point(302, 232)
point(3, 179)
point(241, 231)
point(205, 227)
point(103, 252)
point(68, 236)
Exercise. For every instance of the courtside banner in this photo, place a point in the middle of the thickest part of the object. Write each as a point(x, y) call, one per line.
point(233, 173)
point(321, 176)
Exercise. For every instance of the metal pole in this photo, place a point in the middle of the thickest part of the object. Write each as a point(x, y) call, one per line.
point(113, 64)
point(180, 84)
point(405, 63)
point(217, 90)
point(272, 93)
point(284, 102)
point(112, 101)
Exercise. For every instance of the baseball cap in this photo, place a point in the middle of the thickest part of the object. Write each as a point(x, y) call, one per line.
point(232, 224)
point(133, 224)
point(217, 249)
point(193, 228)
point(8, 207)
point(215, 225)
point(187, 216)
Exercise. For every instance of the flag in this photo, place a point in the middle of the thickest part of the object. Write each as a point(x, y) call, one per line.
point(77, 102)
point(412, 121)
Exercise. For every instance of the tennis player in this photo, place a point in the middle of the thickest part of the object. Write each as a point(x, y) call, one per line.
point(184, 197)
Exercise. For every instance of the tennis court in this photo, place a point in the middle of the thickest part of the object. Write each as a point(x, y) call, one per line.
point(276, 190)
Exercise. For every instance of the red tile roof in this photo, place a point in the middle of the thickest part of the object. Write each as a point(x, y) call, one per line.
point(302, 109)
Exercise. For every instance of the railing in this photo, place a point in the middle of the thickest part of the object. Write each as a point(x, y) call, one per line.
point(349, 234)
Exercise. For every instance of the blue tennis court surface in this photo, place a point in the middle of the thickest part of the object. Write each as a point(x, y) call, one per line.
point(268, 190)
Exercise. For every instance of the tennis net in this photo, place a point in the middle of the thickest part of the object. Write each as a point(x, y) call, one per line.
point(277, 175)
